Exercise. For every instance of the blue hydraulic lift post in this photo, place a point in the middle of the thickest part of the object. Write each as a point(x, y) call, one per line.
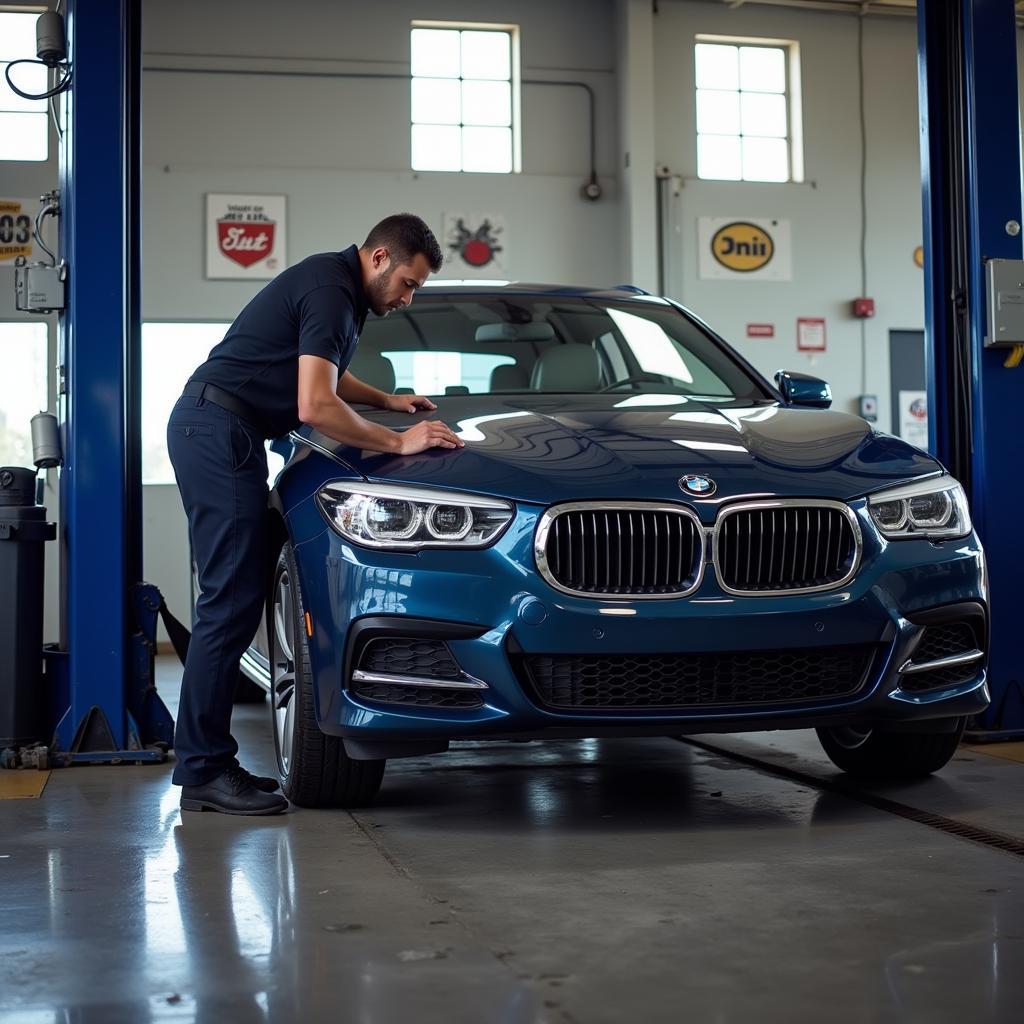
point(971, 174)
point(100, 485)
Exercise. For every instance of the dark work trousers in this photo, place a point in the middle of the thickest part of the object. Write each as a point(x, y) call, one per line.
point(221, 468)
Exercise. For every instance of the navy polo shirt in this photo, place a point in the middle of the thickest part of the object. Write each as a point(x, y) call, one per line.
point(315, 308)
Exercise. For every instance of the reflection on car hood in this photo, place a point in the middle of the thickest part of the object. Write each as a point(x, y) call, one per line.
point(546, 448)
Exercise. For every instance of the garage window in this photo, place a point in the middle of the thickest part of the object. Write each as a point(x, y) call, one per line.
point(748, 110)
point(24, 132)
point(170, 354)
point(23, 357)
point(465, 97)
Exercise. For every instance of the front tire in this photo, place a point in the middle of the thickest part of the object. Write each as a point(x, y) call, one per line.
point(898, 756)
point(314, 768)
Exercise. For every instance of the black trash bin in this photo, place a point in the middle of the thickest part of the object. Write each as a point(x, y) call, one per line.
point(23, 533)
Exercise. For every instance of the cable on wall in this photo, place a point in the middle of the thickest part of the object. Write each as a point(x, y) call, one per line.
point(52, 53)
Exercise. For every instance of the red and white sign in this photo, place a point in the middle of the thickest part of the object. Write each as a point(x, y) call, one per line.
point(475, 245)
point(760, 330)
point(245, 236)
point(810, 334)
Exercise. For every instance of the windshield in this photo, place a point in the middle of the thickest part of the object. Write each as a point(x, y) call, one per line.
point(483, 344)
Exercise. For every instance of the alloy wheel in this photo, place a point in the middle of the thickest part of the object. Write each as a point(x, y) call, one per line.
point(283, 671)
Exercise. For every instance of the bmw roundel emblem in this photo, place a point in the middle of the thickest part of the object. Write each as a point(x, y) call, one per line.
point(703, 486)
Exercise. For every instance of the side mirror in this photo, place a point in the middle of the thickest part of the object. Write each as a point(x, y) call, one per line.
point(802, 389)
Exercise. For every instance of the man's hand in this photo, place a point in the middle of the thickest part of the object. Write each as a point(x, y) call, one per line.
point(408, 403)
point(428, 434)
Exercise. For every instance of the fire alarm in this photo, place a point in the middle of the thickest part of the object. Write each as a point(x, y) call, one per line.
point(863, 307)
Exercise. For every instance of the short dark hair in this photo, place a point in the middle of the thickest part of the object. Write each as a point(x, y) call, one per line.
point(404, 235)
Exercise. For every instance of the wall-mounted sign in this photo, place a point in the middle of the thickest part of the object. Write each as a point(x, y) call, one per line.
point(16, 217)
point(913, 420)
point(748, 249)
point(810, 334)
point(475, 245)
point(245, 236)
point(760, 330)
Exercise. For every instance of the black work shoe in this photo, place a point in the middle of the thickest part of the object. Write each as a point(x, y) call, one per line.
point(264, 783)
point(231, 792)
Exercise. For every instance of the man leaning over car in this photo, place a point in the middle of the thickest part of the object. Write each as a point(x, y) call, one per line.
point(282, 362)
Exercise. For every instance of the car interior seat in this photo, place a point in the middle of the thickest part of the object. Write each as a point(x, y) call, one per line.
point(567, 368)
point(509, 377)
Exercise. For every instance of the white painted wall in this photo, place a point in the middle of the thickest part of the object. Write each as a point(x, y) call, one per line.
point(825, 211)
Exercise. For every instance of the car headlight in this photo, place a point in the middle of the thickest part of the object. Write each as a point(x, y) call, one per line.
point(935, 508)
point(409, 518)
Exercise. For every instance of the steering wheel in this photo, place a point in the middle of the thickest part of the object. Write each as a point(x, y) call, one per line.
point(640, 378)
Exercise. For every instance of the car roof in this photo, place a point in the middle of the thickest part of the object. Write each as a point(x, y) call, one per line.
point(470, 287)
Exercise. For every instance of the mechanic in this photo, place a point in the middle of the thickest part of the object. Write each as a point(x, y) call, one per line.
point(282, 362)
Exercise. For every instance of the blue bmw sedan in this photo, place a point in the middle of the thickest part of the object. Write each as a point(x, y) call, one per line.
point(642, 536)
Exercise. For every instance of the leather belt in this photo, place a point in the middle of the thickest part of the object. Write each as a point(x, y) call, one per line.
point(226, 400)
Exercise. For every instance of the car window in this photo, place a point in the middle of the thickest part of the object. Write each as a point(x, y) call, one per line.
point(431, 373)
point(497, 343)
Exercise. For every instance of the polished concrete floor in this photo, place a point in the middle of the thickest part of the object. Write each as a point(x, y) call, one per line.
point(594, 882)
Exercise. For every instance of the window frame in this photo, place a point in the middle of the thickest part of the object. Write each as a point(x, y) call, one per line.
point(514, 80)
point(147, 475)
point(794, 103)
point(5, 94)
point(43, 327)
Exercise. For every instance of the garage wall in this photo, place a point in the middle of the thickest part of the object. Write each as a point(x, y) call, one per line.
point(339, 149)
point(824, 211)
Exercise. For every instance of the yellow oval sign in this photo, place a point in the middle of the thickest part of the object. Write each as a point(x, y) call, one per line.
point(742, 246)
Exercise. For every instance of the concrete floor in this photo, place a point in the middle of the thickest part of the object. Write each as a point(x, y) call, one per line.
point(592, 882)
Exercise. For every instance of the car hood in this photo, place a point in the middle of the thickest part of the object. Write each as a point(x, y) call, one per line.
point(547, 448)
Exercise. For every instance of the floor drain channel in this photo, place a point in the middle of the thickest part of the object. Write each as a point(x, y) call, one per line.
point(983, 836)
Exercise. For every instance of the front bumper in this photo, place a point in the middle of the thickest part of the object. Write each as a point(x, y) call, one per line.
point(495, 611)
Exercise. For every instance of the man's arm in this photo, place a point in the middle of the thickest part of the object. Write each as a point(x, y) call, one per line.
point(352, 389)
point(321, 406)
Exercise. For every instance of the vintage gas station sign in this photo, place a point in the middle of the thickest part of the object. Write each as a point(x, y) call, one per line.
point(245, 236)
point(16, 216)
point(744, 249)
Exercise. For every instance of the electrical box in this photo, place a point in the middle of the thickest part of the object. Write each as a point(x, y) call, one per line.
point(1004, 288)
point(39, 287)
point(867, 406)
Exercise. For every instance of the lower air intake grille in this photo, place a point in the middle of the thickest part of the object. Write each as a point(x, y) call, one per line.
point(787, 547)
point(940, 678)
point(944, 642)
point(714, 679)
point(417, 696)
point(409, 657)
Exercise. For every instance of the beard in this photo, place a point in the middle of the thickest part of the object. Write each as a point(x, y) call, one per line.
point(376, 292)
